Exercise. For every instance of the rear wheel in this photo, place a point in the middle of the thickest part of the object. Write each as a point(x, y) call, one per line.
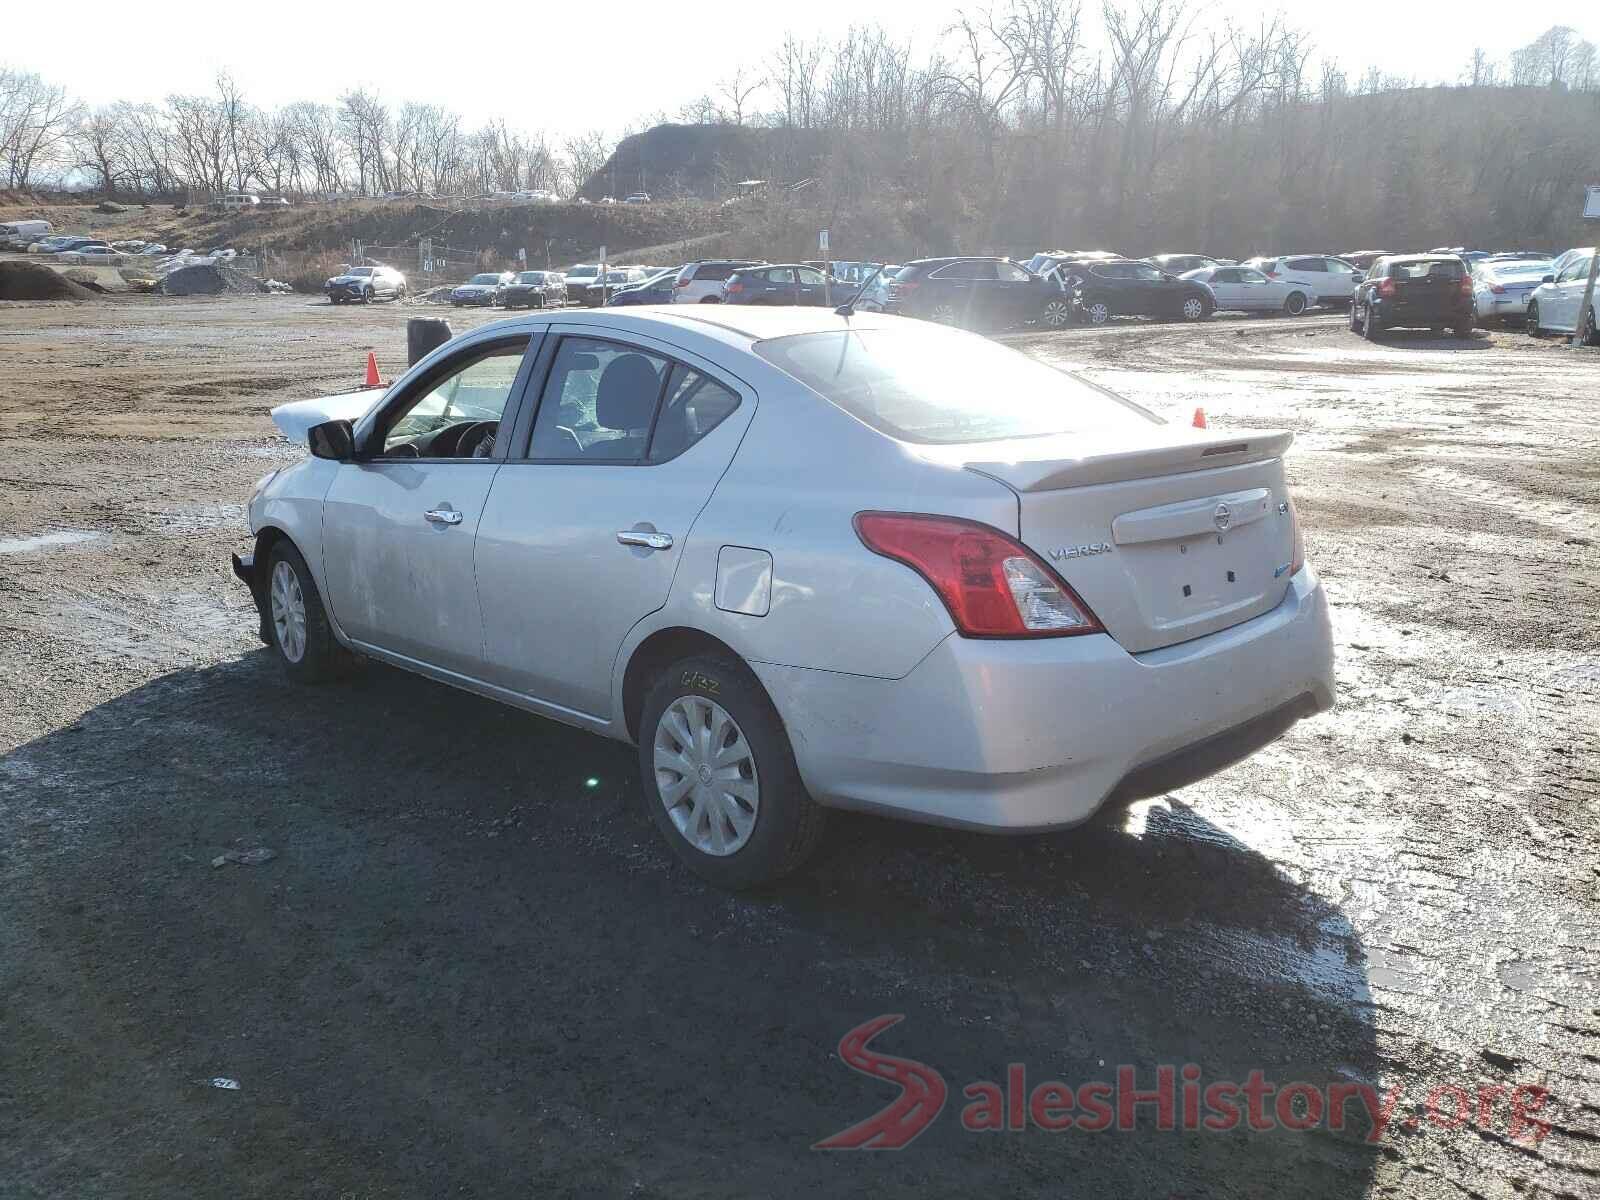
point(1295, 304)
point(1533, 321)
point(943, 312)
point(719, 775)
point(1194, 308)
point(1097, 312)
point(1056, 314)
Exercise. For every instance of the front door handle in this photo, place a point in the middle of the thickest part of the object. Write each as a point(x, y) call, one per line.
point(650, 541)
point(443, 516)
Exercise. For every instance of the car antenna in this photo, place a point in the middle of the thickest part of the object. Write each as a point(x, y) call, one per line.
point(848, 308)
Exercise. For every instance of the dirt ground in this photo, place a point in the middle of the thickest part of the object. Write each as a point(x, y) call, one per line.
point(472, 970)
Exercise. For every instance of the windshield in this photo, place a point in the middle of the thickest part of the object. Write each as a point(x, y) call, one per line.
point(531, 277)
point(580, 269)
point(361, 270)
point(936, 387)
point(484, 279)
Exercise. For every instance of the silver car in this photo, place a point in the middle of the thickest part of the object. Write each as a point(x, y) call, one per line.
point(1244, 289)
point(803, 562)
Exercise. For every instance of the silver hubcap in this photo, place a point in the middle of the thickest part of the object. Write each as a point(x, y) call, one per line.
point(1098, 313)
point(706, 775)
point(1056, 313)
point(288, 612)
point(944, 314)
point(1192, 309)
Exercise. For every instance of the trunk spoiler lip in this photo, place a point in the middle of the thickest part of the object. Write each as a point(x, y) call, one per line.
point(1037, 469)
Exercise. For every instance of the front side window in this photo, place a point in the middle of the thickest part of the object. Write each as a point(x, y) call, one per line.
point(456, 412)
point(811, 278)
point(1577, 271)
point(598, 402)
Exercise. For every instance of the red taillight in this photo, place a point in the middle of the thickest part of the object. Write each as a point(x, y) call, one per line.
point(1466, 288)
point(992, 585)
point(1386, 287)
point(681, 283)
point(733, 287)
point(1270, 272)
point(898, 288)
point(1497, 289)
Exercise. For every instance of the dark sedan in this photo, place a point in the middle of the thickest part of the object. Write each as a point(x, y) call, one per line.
point(1137, 289)
point(535, 289)
point(977, 293)
point(655, 290)
point(783, 283)
point(484, 289)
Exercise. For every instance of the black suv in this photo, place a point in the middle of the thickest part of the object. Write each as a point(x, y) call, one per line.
point(1137, 289)
point(1432, 291)
point(977, 293)
point(784, 283)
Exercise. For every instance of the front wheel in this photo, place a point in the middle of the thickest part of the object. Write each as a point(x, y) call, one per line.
point(298, 622)
point(1591, 336)
point(366, 296)
point(1369, 324)
point(1463, 329)
point(943, 313)
point(1533, 322)
point(1295, 304)
point(719, 775)
point(1355, 319)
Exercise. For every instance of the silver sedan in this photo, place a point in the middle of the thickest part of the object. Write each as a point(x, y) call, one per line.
point(1244, 289)
point(803, 562)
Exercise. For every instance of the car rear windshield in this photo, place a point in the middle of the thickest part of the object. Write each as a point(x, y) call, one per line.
point(1433, 268)
point(714, 271)
point(934, 387)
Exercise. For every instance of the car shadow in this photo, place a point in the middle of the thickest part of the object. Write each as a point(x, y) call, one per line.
point(469, 965)
point(1425, 339)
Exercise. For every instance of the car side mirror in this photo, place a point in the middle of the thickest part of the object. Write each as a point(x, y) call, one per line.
point(1548, 279)
point(334, 440)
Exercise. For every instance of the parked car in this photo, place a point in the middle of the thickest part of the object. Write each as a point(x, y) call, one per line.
point(1137, 289)
point(637, 198)
point(366, 284)
point(1431, 291)
point(783, 283)
point(783, 609)
point(657, 289)
point(874, 295)
point(1362, 259)
point(597, 291)
point(62, 244)
point(1042, 262)
point(580, 275)
point(19, 235)
point(1501, 287)
point(1553, 305)
point(1244, 289)
point(535, 289)
point(1324, 279)
point(274, 202)
point(484, 289)
point(701, 282)
point(239, 201)
point(977, 293)
point(94, 252)
point(1181, 264)
point(1566, 257)
point(152, 250)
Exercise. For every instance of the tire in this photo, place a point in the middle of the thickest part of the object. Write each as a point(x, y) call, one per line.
point(1369, 325)
point(1355, 322)
point(366, 295)
point(305, 644)
point(1195, 308)
point(1056, 313)
point(1294, 303)
point(1533, 321)
point(334, 300)
point(1591, 335)
point(1097, 312)
point(1462, 329)
point(710, 299)
point(943, 313)
point(779, 826)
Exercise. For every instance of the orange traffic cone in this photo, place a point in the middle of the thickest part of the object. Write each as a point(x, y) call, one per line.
point(372, 370)
point(1200, 418)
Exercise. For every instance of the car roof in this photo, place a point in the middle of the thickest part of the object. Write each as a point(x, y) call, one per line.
point(1429, 257)
point(737, 327)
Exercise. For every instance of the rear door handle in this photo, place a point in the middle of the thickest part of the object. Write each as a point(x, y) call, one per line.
point(650, 541)
point(443, 516)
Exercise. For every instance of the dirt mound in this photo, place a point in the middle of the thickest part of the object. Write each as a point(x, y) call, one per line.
point(208, 279)
point(35, 281)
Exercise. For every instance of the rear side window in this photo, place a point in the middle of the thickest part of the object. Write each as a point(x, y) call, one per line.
point(906, 273)
point(713, 271)
point(1307, 264)
point(695, 404)
point(936, 387)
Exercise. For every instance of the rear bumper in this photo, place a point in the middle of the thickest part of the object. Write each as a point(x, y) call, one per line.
point(1037, 735)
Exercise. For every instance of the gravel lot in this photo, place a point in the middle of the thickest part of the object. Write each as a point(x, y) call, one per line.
point(471, 970)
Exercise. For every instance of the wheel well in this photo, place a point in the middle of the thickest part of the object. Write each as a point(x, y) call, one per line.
point(655, 652)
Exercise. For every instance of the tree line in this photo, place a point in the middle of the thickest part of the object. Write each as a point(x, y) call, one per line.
point(1134, 122)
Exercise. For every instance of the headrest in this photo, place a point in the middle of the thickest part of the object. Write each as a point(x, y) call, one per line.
point(626, 397)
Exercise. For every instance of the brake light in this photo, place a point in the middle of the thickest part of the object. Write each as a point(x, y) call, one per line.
point(992, 585)
point(1466, 288)
point(732, 286)
point(681, 283)
point(1497, 289)
point(900, 289)
point(1270, 271)
point(1386, 287)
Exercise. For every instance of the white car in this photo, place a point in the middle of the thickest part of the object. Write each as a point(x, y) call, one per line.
point(1553, 307)
point(803, 561)
point(701, 282)
point(1325, 279)
point(1244, 289)
point(1500, 290)
point(90, 255)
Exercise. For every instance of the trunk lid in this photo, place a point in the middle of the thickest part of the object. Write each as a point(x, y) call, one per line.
point(1172, 539)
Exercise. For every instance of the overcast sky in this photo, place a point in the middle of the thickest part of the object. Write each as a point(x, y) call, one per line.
point(567, 67)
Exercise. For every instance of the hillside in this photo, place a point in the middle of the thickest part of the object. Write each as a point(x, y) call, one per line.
point(705, 161)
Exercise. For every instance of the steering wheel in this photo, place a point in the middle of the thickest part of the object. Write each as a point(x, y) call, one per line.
point(477, 440)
